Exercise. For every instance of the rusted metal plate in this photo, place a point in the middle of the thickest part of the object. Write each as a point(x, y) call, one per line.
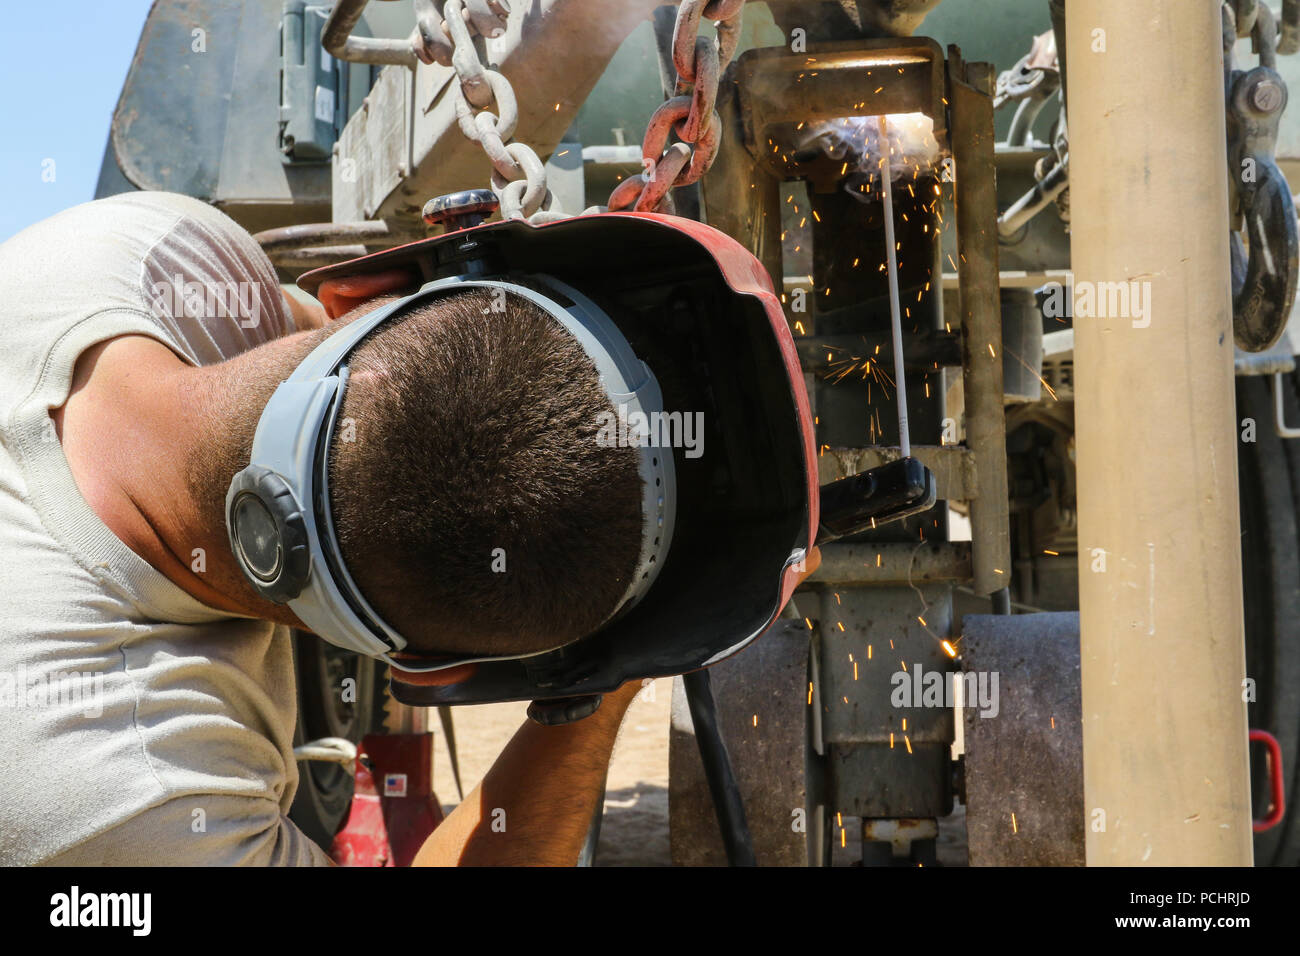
point(893, 563)
point(888, 754)
point(1023, 739)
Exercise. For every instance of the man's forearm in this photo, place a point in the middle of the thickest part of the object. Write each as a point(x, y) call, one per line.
point(536, 803)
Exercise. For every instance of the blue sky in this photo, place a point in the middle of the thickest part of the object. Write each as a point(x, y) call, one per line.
point(62, 64)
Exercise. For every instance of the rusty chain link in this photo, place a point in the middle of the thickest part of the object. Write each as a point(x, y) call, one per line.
point(699, 62)
point(518, 174)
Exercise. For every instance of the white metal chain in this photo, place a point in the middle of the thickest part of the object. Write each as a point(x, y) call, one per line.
point(518, 175)
point(699, 62)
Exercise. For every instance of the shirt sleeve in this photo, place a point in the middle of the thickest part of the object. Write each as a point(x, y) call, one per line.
point(201, 830)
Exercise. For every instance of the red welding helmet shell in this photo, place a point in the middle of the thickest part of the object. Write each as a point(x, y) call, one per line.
point(699, 309)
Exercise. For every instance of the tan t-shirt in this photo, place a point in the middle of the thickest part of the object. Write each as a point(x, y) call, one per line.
point(137, 725)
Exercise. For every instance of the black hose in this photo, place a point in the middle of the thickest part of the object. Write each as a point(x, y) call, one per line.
point(727, 802)
point(588, 855)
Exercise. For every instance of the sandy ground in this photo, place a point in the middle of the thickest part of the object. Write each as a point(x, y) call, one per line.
point(635, 827)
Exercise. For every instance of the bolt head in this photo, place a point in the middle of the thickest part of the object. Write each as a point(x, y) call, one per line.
point(1267, 96)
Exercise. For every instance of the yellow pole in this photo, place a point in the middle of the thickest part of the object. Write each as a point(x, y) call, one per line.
point(1164, 719)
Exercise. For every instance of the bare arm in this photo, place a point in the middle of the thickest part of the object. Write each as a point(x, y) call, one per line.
point(536, 803)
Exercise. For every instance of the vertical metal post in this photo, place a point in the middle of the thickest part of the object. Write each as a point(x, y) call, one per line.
point(1164, 723)
point(971, 129)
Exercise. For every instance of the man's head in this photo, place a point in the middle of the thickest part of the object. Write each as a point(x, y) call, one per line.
point(473, 505)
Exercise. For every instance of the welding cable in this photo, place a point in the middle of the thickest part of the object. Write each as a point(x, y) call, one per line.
point(727, 802)
point(588, 855)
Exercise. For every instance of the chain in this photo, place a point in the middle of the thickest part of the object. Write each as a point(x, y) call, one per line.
point(699, 62)
point(518, 175)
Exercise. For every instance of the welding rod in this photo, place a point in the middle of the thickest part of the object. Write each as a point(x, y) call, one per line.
point(900, 385)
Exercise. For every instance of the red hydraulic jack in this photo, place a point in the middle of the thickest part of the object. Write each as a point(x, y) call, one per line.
point(393, 808)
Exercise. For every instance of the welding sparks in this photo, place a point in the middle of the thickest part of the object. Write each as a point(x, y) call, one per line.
point(951, 651)
point(1014, 827)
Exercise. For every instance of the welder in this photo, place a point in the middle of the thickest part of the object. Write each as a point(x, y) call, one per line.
point(471, 505)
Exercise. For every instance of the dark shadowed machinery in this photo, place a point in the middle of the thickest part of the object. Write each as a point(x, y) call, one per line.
point(1026, 576)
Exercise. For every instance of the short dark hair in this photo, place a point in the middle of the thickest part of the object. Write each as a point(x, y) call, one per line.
point(472, 502)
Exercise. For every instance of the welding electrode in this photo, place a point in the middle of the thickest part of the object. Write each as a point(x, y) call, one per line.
point(904, 440)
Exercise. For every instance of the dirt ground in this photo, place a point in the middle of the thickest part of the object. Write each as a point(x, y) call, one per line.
point(635, 827)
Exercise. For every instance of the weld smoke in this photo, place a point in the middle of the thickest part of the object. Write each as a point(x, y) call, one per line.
point(909, 143)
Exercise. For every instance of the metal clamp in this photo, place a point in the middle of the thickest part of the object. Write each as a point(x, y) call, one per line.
point(1263, 280)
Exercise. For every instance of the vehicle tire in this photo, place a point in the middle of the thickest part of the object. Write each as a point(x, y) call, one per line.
point(761, 696)
point(325, 789)
point(1269, 479)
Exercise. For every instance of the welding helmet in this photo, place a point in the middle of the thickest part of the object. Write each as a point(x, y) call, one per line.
point(679, 319)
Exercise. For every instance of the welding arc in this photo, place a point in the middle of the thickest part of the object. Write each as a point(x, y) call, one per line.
point(900, 386)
